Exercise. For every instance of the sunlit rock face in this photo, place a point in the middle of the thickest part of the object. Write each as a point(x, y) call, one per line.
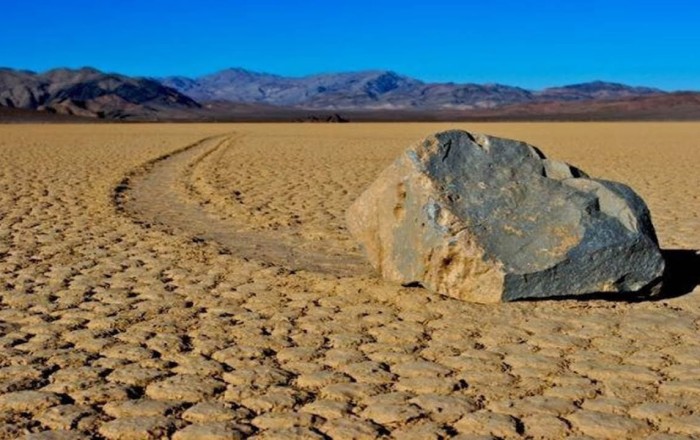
point(488, 219)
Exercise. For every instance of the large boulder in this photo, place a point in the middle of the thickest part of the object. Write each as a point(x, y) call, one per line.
point(487, 219)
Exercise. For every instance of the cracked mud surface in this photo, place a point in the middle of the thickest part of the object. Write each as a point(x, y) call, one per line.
point(216, 294)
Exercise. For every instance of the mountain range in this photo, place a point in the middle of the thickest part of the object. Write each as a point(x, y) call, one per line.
point(88, 92)
point(239, 94)
point(380, 90)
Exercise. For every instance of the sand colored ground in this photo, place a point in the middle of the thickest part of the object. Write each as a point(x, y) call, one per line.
point(216, 294)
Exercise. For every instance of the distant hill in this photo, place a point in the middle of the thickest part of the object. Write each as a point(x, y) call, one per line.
point(90, 93)
point(242, 95)
point(381, 90)
point(596, 90)
point(677, 106)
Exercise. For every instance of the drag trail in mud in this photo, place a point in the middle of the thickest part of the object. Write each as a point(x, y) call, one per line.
point(162, 193)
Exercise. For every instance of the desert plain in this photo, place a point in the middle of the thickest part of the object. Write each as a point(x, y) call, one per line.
point(198, 282)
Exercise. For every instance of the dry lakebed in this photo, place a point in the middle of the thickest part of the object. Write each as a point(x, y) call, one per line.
point(195, 281)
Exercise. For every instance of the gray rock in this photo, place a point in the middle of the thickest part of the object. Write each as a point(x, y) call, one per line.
point(487, 219)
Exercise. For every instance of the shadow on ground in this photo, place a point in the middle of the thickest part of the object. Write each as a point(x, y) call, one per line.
point(682, 272)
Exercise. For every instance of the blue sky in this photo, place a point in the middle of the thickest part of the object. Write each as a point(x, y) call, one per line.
point(526, 43)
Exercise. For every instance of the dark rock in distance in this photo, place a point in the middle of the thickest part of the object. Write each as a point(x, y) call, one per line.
point(488, 219)
point(335, 117)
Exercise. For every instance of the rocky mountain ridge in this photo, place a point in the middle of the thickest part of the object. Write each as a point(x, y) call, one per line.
point(381, 89)
point(91, 93)
point(242, 95)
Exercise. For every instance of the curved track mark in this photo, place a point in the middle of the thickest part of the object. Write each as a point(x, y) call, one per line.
point(160, 194)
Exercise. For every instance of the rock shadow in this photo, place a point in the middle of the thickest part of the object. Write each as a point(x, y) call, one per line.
point(681, 276)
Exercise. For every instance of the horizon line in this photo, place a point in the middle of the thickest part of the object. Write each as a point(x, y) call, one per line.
point(342, 72)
